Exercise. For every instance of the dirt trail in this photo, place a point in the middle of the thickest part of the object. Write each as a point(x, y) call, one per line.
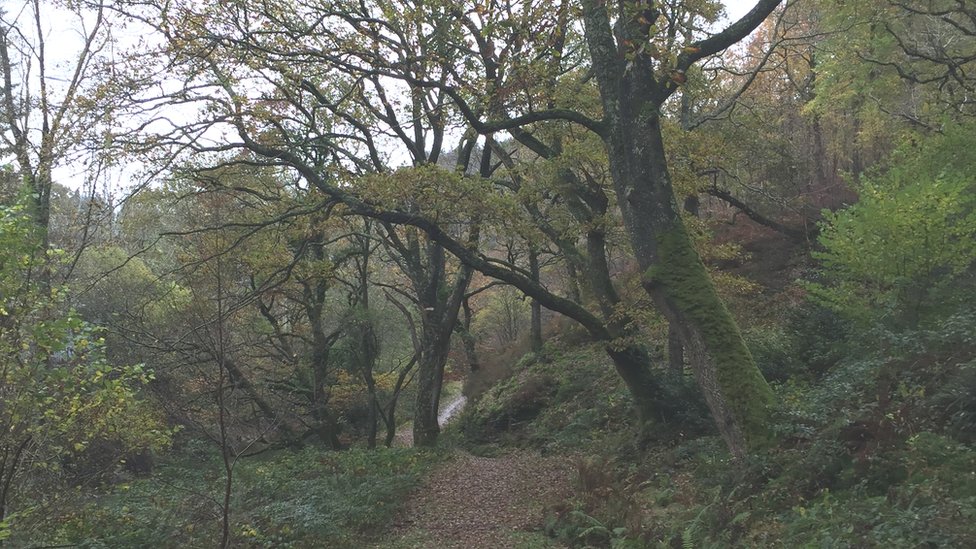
point(483, 502)
point(404, 435)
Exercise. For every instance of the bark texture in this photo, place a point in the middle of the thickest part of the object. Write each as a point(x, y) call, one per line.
point(633, 86)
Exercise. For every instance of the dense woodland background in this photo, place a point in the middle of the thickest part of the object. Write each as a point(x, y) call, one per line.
point(725, 270)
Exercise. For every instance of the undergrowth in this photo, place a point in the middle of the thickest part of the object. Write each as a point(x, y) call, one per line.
point(548, 402)
point(875, 431)
point(288, 499)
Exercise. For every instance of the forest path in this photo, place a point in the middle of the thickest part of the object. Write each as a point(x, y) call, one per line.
point(453, 406)
point(484, 502)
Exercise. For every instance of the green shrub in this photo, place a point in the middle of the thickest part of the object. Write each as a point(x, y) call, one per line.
point(67, 414)
point(903, 254)
point(305, 498)
point(818, 338)
point(774, 354)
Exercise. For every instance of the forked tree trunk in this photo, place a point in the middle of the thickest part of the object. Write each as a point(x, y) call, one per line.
point(441, 306)
point(632, 91)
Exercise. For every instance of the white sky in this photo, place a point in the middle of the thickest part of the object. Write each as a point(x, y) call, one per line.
point(738, 8)
point(60, 40)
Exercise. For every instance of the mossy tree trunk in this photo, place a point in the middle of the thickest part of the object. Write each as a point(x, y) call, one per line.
point(736, 393)
point(633, 86)
point(676, 352)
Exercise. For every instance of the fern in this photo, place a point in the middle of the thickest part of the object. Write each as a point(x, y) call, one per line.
point(688, 536)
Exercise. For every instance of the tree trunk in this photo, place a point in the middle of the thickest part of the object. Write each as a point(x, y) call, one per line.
point(439, 317)
point(430, 376)
point(536, 308)
point(390, 417)
point(372, 418)
point(326, 426)
point(676, 352)
point(633, 365)
point(390, 429)
point(632, 93)
point(369, 349)
point(572, 283)
point(238, 378)
point(468, 339)
point(676, 279)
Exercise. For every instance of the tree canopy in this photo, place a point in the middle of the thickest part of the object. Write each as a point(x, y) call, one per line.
point(312, 228)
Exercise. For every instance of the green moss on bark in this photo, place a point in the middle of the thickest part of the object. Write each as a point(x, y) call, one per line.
point(681, 276)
